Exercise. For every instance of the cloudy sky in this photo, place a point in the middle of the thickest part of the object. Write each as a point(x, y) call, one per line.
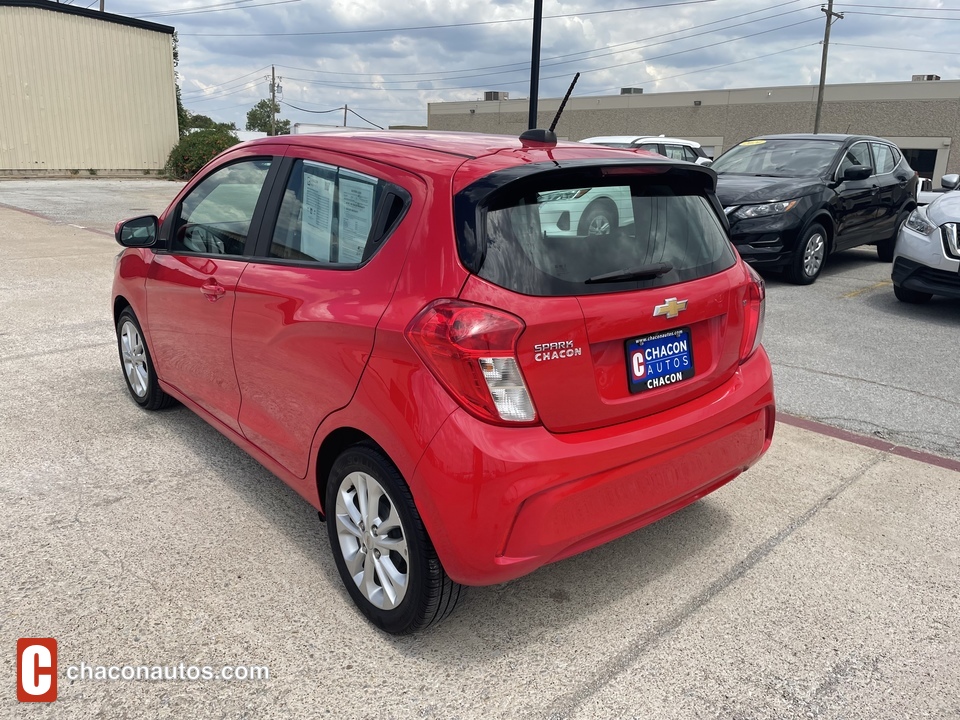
point(386, 59)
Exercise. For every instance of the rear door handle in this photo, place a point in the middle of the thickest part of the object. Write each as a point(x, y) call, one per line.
point(213, 290)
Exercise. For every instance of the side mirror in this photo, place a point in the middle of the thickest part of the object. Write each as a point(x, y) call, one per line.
point(950, 182)
point(137, 232)
point(857, 172)
point(706, 162)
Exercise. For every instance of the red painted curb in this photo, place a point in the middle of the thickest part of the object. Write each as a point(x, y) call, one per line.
point(870, 442)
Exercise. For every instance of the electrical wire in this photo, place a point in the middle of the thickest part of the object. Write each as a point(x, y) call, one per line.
point(225, 94)
point(225, 83)
point(363, 118)
point(896, 15)
point(547, 62)
point(315, 112)
point(551, 77)
point(878, 47)
point(202, 12)
point(449, 25)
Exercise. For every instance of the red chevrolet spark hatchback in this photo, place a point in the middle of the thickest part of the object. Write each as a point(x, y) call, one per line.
point(414, 332)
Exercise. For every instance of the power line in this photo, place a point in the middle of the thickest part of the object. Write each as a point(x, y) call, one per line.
point(551, 77)
point(522, 67)
point(225, 94)
point(900, 7)
point(896, 15)
point(880, 47)
point(714, 67)
point(315, 112)
point(353, 112)
point(202, 12)
point(223, 85)
point(449, 25)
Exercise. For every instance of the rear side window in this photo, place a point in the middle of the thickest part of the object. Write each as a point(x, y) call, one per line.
point(883, 155)
point(551, 237)
point(333, 215)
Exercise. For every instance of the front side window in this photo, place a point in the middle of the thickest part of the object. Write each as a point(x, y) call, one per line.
point(215, 217)
point(856, 154)
point(329, 214)
point(675, 152)
point(557, 237)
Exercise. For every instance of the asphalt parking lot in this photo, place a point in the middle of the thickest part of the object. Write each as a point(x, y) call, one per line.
point(822, 583)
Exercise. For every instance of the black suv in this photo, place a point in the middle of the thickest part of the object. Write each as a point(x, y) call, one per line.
point(793, 199)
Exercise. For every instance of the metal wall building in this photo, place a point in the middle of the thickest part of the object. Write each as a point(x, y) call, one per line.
point(923, 118)
point(83, 91)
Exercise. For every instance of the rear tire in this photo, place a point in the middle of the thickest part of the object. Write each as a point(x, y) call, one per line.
point(886, 247)
point(380, 546)
point(809, 257)
point(137, 366)
point(914, 297)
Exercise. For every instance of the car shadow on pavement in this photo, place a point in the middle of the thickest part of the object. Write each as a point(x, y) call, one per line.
point(939, 311)
point(489, 620)
point(858, 258)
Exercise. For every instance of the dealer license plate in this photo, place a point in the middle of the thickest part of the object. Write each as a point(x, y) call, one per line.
point(655, 361)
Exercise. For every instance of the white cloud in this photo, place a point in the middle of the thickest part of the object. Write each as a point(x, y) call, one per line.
point(388, 77)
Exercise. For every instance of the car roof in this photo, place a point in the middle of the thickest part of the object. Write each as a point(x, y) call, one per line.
point(445, 153)
point(633, 139)
point(818, 136)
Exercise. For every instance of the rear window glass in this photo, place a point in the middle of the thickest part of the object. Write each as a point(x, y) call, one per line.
point(549, 238)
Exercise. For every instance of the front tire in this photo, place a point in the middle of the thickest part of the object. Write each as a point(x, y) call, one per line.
point(914, 297)
point(809, 257)
point(137, 365)
point(380, 546)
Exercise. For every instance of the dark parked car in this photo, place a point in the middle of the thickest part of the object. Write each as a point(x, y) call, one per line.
point(793, 199)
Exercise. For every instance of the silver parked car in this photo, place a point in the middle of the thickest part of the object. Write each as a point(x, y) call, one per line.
point(926, 261)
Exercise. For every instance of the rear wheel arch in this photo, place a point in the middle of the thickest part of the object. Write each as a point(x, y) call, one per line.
point(331, 448)
point(600, 204)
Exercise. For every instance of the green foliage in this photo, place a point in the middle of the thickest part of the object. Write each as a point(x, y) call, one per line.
point(205, 123)
point(91, 171)
point(183, 115)
point(196, 149)
point(258, 118)
point(74, 172)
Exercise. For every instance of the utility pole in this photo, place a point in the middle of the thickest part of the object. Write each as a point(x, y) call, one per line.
point(535, 64)
point(344, 114)
point(101, 5)
point(273, 100)
point(828, 10)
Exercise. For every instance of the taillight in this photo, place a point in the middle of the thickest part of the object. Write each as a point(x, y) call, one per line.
point(472, 350)
point(754, 309)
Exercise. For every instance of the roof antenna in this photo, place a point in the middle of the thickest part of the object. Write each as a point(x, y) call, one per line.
point(549, 136)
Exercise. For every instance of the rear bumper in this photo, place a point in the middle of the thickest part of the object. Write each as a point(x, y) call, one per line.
point(500, 502)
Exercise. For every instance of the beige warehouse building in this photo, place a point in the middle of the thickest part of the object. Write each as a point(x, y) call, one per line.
point(922, 117)
point(83, 91)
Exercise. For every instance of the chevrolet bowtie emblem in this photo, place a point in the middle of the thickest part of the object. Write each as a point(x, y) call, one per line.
point(671, 308)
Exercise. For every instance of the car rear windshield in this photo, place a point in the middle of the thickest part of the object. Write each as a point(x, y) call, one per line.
point(778, 157)
point(554, 234)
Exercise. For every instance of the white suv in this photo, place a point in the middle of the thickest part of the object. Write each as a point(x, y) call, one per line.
point(675, 148)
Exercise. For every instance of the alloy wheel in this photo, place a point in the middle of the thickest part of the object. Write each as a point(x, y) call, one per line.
point(134, 356)
point(372, 540)
point(813, 254)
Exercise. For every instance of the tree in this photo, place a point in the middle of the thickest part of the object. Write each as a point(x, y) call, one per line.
point(258, 118)
point(196, 149)
point(203, 122)
point(182, 114)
